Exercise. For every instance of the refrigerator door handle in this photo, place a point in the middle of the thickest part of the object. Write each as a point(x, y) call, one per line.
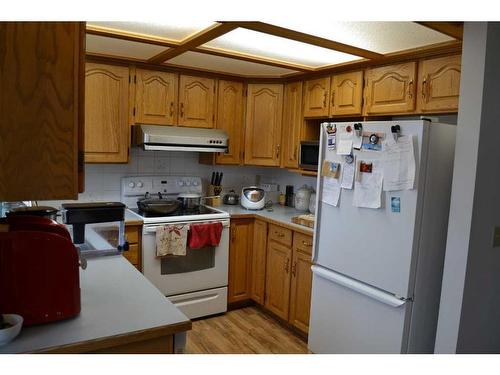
point(369, 291)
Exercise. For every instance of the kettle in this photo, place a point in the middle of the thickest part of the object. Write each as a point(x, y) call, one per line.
point(302, 198)
point(231, 198)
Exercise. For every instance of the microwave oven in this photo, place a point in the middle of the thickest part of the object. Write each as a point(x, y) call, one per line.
point(309, 153)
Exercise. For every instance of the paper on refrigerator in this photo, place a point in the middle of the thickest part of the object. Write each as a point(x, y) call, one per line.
point(331, 191)
point(368, 188)
point(398, 163)
point(347, 175)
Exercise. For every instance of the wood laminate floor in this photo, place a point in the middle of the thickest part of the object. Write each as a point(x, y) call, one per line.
point(243, 331)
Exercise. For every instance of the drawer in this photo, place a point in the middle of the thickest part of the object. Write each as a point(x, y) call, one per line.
point(302, 242)
point(132, 254)
point(132, 234)
point(280, 234)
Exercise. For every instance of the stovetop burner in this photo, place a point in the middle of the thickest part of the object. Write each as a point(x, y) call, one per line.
point(200, 210)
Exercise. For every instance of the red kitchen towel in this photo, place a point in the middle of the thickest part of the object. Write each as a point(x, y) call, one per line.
point(201, 235)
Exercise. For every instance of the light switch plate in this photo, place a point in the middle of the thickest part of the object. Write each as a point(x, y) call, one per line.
point(496, 237)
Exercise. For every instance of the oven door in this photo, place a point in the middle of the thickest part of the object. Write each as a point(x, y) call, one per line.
point(200, 269)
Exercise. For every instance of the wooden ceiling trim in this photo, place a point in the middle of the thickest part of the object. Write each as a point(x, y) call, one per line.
point(253, 59)
point(452, 29)
point(439, 49)
point(127, 61)
point(130, 36)
point(306, 38)
point(194, 41)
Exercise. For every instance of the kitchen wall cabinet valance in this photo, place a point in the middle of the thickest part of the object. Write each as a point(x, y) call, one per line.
point(155, 97)
point(106, 113)
point(41, 110)
point(439, 84)
point(230, 118)
point(263, 124)
point(196, 102)
point(292, 125)
point(390, 89)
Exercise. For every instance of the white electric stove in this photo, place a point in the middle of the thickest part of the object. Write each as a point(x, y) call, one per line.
point(195, 283)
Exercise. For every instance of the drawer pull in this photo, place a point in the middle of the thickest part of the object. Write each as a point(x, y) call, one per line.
point(294, 269)
point(279, 234)
point(287, 265)
point(306, 243)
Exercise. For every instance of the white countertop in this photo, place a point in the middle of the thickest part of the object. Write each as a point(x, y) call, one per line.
point(116, 300)
point(279, 213)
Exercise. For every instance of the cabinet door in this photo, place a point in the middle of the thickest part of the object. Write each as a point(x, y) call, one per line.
point(259, 261)
point(292, 125)
point(230, 119)
point(278, 278)
point(346, 94)
point(240, 253)
point(196, 102)
point(41, 110)
point(106, 113)
point(156, 97)
point(300, 294)
point(439, 84)
point(317, 97)
point(263, 124)
point(390, 89)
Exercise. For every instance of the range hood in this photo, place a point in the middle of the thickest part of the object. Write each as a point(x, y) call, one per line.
point(174, 138)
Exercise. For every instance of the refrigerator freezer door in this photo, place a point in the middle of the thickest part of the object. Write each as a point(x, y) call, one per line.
point(349, 317)
point(374, 246)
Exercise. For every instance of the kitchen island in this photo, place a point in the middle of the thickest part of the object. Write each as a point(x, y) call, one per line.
point(122, 312)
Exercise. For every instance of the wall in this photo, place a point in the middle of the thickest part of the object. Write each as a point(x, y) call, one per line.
point(470, 299)
point(102, 181)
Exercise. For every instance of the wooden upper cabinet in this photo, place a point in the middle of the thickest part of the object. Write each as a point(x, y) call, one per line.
point(41, 116)
point(106, 113)
point(390, 89)
point(230, 118)
point(278, 278)
point(317, 97)
point(292, 125)
point(196, 102)
point(263, 124)
point(439, 84)
point(155, 97)
point(240, 255)
point(346, 94)
point(259, 261)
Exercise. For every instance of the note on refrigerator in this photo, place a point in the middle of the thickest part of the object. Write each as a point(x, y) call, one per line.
point(368, 187)
point(398, 163)
point(344, 146)
point(331, 191)
point(347, 175)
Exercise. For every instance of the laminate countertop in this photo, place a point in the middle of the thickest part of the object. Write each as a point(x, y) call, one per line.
point(118, 304)
point(280, 215)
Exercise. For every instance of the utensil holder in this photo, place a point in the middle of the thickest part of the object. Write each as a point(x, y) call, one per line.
point(214, 190)
point(214, 201)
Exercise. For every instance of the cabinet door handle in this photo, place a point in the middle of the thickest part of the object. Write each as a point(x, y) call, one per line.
point(277, 151)
point(294, 269)
point(171, 109)
point(324, 99)
point(287, 265)
point(295, 153)
point(182, 109)
point(333, 98)
point(410, 89)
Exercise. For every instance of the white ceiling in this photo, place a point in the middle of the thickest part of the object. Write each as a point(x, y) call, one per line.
point(380, 37)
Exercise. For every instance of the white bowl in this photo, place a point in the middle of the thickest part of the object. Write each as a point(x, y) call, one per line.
point(8, 334)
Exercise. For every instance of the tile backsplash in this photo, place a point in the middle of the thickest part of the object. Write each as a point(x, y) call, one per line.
point(102, 181)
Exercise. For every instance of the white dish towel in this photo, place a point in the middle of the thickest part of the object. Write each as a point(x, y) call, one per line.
point(171, 240)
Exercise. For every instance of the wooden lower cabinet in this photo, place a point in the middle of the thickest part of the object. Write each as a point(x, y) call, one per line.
point(240, 265)
point(300, 291)
point(278, 278)
point(259, 261)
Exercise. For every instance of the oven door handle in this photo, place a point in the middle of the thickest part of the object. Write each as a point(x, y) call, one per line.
point(152, 228)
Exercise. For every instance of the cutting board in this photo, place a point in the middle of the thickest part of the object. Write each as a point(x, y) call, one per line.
point(306, 220)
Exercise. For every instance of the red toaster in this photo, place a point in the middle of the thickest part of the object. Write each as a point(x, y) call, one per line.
point(39, 270)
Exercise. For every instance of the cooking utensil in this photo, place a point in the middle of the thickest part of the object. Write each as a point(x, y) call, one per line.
point(231, 198)
point(189, 201)
point(219, 182)
point(158, 206)
point(212, 181)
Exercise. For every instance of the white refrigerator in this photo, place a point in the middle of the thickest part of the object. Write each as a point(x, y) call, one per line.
point(377, 271)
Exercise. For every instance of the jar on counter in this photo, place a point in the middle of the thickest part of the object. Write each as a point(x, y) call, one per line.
point(302, 198)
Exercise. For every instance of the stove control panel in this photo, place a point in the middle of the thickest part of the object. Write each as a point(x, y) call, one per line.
point(137, 186)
